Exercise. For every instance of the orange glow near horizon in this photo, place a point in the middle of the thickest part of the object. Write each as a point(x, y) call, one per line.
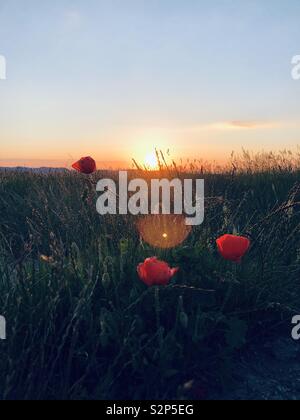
point(115, 148)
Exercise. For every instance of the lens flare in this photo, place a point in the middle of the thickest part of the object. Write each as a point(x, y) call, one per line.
point(163, 231)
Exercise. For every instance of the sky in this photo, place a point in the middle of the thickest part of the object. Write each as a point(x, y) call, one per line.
point(116, 78)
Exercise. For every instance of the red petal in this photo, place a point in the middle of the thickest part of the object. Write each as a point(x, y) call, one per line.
point(233, 248)
point(85, 165)
point(156, 272)
point(76, 166)
point(174, 271)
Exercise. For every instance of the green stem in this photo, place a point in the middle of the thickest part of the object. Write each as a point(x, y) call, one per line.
point(157, 312)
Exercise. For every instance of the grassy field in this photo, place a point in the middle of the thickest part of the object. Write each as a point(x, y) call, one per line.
point(80, 323)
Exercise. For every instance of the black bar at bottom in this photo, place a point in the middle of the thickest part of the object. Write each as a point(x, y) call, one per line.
point(148, 409)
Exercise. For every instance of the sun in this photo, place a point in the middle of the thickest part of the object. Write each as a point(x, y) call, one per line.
point(151, 161)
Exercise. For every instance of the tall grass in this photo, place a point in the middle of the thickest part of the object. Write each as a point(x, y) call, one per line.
point(80, 325)
point(245, 162)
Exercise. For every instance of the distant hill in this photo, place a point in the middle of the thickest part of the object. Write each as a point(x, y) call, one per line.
point(34, 170)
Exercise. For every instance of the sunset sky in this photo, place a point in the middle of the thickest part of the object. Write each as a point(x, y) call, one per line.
point(116, 78)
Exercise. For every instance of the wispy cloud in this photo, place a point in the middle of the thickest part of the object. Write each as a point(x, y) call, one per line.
point(226, 126)
point(250, 125)
point(238, 125)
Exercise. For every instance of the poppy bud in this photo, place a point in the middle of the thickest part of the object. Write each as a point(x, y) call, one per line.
point(184, 320)
point(106, 282)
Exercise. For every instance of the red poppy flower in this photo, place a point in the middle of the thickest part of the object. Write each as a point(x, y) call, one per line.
point(156, 273)
point(85, 165)
point(233, 248)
